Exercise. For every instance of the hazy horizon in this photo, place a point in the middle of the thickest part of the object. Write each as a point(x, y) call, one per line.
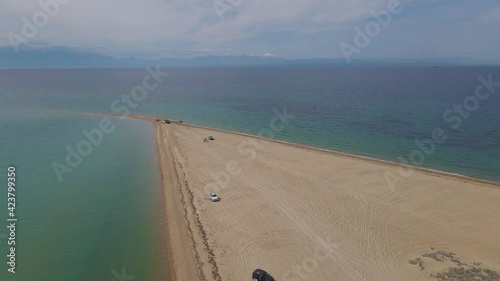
point(380, 29)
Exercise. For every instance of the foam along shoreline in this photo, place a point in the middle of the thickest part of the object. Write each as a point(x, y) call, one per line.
point(280, 208)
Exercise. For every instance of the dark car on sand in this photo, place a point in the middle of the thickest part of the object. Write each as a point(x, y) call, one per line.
point(261, 275)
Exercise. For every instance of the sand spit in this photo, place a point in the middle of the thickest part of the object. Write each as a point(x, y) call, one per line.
point(308, 214)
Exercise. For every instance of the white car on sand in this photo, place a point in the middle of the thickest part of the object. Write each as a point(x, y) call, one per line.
point(213, 197)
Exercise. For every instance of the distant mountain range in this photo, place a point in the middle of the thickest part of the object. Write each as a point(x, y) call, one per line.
point(62, 57)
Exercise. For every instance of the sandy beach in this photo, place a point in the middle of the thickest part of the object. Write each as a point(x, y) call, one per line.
point(309, 214)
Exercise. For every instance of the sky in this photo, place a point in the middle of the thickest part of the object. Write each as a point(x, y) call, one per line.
point(291, 29)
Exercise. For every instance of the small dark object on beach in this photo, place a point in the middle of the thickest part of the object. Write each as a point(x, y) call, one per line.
point(418, 261)
point(167, 121)
point(210, 138)
point(439, 255)
point(261, 275)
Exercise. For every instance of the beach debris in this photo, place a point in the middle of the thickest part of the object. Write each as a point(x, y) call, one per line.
point(418, 261)
point(210, 138)
point(439, 255)
point(466, 273)
point(167, 121)
point(460, 272)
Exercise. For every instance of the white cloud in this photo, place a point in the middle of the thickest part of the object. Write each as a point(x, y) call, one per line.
point(120, 23)
point(186, 28)
point(108, 22)
point(251, 19)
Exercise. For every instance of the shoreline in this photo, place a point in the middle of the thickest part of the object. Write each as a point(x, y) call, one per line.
point(181, 245)
point(494, 184)
point(169, 271)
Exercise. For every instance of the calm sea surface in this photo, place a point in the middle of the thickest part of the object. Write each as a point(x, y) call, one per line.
point(104, 215)
point(103, 218)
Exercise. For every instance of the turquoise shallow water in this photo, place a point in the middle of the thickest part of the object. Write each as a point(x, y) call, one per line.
point(106, 215)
